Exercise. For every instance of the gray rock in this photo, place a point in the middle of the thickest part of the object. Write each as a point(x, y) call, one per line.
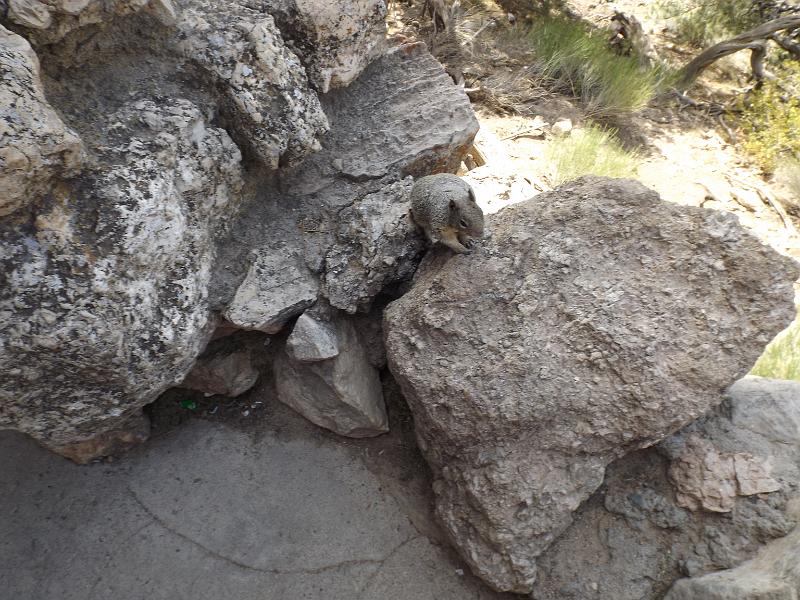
point(764, 422)
point(582, 330)
point(346, 206)
point(265, 93)
point(278, 286)
point(339, 38)
point(105, 304)
point(631, 540)
point(311, 340)
point(342, 393)
point(225, 373)
point(375, 244)
point(50, 21)
point(37, 147)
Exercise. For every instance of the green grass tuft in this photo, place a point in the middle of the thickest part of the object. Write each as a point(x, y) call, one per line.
point(576, 58)
point(781, 358)
point(589, 151)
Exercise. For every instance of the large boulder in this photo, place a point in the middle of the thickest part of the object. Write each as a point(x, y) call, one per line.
point(595, 321)
point(105, 304)
point(635, 536)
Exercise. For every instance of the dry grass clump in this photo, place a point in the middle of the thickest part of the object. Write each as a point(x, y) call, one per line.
point(578, 60)
point(589, 151)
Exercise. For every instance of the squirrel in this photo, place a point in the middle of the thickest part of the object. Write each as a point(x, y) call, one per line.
point(444, 206)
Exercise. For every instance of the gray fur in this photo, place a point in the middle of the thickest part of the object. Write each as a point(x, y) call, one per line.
point(444, 207)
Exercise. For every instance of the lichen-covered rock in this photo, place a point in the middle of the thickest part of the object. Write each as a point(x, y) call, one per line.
point(36, 147)
point(632, 539)
point(341, 393)
point(264, 91)
point(596, 320)
point(103, 302)
point(375, 244)
point(338, 39)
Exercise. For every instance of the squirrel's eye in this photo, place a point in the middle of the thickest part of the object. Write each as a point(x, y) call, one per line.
point(464, 224)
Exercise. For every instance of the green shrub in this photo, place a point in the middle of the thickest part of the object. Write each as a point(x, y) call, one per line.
point(573, 57)
point(771, 119)
point(590, 151)
point(789, 174)
point(781, 358)
point(705, 22)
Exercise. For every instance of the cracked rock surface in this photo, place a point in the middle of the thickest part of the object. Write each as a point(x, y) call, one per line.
point(596, 321)
point(632, 539)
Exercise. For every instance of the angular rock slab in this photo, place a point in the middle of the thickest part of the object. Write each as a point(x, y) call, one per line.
point(342, 393)
point(340, 38)
point(278, 286)
point(35, 146)
point(596, 320)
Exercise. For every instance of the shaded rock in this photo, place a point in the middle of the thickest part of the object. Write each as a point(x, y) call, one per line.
point(311, 340)
point(773, 575)
point(342, 393)
point(579, 332)
point(225, 373)
point(346, 205)
point(278, 286)
point(376, 244)
point(265, 94)
point(126, 435)
point(632, 539)
point(49, 21)
point(37, 148)
point(104, 303)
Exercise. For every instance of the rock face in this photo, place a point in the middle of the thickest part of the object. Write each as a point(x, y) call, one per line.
point(597, 320)
point(241, 51)
point(133, 229)
point(325, 375)
point(632, 539)
point(105, 299)
point(37, 147)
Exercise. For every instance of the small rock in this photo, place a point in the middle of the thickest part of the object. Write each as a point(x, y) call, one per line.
point(342, 393)
point(562, 127)
point(311, 340)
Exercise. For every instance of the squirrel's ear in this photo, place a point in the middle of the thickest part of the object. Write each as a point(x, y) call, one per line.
point(452, 204)
point(472, 196)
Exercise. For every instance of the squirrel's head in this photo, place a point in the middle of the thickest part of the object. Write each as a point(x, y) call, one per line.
point(465, 215)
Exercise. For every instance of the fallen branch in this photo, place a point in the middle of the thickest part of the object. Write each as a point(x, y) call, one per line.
point(752, 40)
